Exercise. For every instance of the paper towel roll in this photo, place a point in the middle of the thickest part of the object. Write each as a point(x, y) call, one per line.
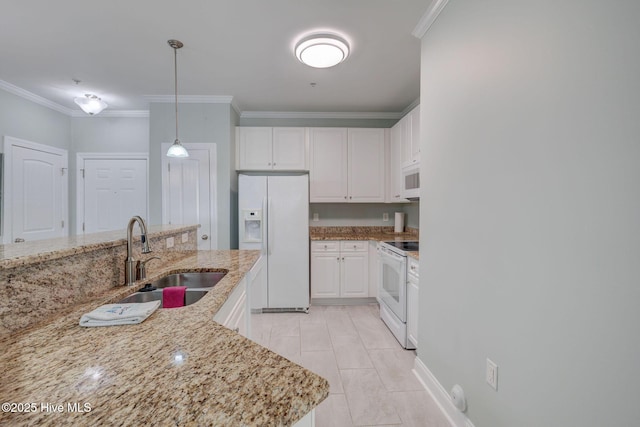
point(399, 226)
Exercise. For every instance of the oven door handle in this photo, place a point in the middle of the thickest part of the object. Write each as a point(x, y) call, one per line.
point(391, 254)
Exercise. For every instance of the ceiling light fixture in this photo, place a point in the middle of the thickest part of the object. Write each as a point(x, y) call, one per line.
point(176, 149)
point(90, 104)
point(322, 50)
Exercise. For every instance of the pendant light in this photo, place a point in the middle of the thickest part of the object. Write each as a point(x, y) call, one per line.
point(176, 149)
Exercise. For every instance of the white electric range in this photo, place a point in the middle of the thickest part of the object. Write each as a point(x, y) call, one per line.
point(392, 294)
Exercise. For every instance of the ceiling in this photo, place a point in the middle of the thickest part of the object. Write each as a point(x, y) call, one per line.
point(239, 48)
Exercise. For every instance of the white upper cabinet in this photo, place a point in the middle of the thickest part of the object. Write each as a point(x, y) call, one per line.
point(366, 165)
point(290, 149)
point(395, 164)
point(328, 165)
point(266, 148)
point(410, 130)
point(347, 165)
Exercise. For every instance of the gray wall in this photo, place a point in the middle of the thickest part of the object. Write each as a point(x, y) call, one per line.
point(233, 176)
point(361, 214)
point(532, 248)
point(27, 120)
point(198, 123)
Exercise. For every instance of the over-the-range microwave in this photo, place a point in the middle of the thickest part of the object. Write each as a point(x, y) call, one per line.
point(411, 182)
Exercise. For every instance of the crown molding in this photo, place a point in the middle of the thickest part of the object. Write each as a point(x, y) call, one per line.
point(316, 115)
point(29, 96)
point(429, 18)
point(114, 113)
point(191, 99)
point(411, 106)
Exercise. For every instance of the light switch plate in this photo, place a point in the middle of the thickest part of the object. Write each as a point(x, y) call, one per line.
point(185, 237)
point(170, 242)
point(316, 217)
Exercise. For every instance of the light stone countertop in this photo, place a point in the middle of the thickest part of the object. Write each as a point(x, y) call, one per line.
point(20, 254)
point(129, 375)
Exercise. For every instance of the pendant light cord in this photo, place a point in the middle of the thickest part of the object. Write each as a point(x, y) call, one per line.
point(175, 67)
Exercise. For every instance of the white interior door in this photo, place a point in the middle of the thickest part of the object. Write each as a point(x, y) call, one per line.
point(188, 191)
point(114, 191)
point(35, 191)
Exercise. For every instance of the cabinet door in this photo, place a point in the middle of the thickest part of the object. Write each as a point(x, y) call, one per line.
point(354, 277)
point(374, 269)
point(405, 138)
point(412, 311)
point(325, 275)
point(328, 165)
point(255, 151)
point(395, 164)
point(289, 149)
point(414, 115)
point(366, 165)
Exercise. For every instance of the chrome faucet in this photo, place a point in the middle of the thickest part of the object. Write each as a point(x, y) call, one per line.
point(130, 264)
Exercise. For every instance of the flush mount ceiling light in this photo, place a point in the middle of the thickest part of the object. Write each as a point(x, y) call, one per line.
point(90, 104)
point(322, 50)
point(176, 149)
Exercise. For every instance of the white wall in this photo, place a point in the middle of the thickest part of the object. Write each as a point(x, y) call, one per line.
point(531, 168)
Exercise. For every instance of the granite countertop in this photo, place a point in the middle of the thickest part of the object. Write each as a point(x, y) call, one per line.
point(179, 367)
point(380, 234)
point(19, 254)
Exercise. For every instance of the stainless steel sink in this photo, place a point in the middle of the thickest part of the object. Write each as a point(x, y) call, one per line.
point(197, 283)
point(190, 296)
point(205, 279)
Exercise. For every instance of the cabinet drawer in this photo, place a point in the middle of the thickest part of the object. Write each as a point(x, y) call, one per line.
point(353, 246)
point(325, 246)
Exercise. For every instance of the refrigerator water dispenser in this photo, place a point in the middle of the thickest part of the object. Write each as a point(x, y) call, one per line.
point(252, 227)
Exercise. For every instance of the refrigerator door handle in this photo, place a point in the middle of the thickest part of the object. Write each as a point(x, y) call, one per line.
point(265, 219)
point(270, 229)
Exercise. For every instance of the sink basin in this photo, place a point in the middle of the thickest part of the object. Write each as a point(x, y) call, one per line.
point(205, 279)
point(197, 283)
point(190, 296)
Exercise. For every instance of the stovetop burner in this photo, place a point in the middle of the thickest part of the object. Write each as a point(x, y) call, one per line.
point(405, 246)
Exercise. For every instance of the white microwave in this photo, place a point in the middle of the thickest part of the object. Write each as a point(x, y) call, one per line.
point(411, 182)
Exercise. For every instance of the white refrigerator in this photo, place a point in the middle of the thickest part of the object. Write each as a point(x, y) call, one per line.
point(274, 218)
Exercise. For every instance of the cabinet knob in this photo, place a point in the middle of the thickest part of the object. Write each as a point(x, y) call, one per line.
point(269, 164)
point(338, 259)
point(355, 247)
point(325, 246)
point(274, 163)
point(350, 197)
point(345, 197)
point(343, 258)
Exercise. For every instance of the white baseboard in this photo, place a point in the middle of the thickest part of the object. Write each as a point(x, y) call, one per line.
point(440, 395)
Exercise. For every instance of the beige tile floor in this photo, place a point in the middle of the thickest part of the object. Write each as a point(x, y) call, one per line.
point(369, 373)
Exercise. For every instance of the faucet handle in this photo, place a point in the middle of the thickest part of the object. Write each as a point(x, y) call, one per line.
point(141, 268)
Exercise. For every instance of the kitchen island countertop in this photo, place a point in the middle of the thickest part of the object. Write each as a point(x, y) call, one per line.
point(179, 367)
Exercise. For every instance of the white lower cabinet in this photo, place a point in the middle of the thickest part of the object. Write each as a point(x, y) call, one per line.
point(413, 277)
point(374, 269)
point(339, 269)
point(233, 313)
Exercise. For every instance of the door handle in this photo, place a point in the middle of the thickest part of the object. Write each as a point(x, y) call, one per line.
point(204, 237)
point(18, 240)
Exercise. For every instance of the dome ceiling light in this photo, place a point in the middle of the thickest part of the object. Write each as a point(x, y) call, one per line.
point(90, 104)
point(322, 50)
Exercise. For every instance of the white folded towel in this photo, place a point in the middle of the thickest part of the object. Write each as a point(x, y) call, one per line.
point(119, 314)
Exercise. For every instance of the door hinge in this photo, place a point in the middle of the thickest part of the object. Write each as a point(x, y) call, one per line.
point(82, 170)
point(169, 167)
point(62, 171)
point(83, 226)
point(62, 223)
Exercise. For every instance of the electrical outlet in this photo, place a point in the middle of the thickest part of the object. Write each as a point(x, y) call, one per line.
point(316, 217)
point(170, 242)
point(185, 237)
point(385, 216)
point(492, 374)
